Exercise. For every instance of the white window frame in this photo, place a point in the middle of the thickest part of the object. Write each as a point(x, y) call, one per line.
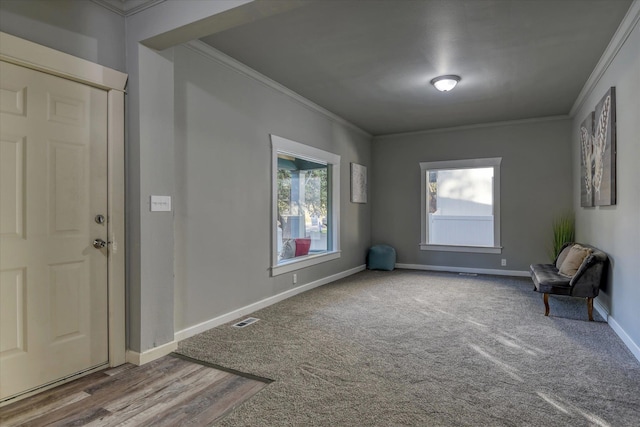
point(493, 162)
point(281, 145)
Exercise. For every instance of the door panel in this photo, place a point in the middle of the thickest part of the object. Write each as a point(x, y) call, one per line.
point(12, 188)
point(53, 182)
point(12, 292)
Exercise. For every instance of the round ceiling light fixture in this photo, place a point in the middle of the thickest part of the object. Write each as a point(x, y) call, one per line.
point(445, 83)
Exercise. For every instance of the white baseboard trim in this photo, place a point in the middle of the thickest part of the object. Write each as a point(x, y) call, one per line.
point(450, 269)
point(151, 354)
point(601, 309)
point(220, 320)
point(626, 339)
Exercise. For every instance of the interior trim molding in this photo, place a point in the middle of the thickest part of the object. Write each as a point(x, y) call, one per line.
point(150, 355)
point(626, 339)
point(207, 51)
point(601, 309)
point(220, 320)
point(476, 126)
point(127, 7)
point(468, 270)
point(41, 58)
point(629, 22)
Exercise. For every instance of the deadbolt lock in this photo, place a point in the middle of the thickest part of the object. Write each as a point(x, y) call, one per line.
point(99, 243)
point(100, 219)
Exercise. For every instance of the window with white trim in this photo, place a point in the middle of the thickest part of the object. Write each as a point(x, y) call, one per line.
point(460, 207)
point(306, 205)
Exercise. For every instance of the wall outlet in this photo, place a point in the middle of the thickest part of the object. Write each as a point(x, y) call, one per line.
point(295, 278)
point(503, 262)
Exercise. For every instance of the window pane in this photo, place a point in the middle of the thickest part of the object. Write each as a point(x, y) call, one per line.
point(303, 214)
point(460, 206)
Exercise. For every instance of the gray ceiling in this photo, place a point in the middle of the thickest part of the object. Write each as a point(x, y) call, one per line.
point(371, 61)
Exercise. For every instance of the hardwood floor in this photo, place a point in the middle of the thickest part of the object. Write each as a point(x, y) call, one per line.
point(170, 391)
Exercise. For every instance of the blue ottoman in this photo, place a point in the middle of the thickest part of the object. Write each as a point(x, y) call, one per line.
point(381, 257)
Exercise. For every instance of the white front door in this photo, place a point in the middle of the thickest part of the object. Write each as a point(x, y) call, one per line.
point(53, 187)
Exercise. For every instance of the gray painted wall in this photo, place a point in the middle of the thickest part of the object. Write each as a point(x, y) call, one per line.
point(79, 28)
point(150, 166)
point(616, 229)
point(223, 188)
point(151, 245)
point(536, 187)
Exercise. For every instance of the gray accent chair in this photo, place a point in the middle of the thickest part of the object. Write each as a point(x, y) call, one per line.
point(585, 283)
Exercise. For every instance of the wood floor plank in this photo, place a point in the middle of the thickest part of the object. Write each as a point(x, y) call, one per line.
point(95, 379)
point(212, 406)
point(130, 406)
point(161, 368)
point(183, 409)
point(154, 415)
point(99, 392)
point(34, 412)
point(119, 369)
point(51, 395)
point(80, 418)
point(167, 391)
point(130, 382)
point(156, 390)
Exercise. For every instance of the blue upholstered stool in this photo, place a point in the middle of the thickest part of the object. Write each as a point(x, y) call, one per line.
point(381, 257)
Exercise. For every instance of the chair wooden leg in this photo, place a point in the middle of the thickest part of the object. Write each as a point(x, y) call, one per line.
point(546, 304)
point(590, 308)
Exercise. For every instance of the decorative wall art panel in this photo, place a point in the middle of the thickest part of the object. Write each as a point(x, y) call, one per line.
point(604, 151)
point(586, 164)
point(598, 154)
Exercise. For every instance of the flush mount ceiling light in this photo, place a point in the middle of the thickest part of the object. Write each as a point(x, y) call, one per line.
point(445, 83)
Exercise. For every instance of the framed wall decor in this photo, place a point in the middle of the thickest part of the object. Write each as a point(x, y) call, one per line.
point(358, 183)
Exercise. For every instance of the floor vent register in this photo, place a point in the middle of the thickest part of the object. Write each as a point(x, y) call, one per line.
point(246, 322)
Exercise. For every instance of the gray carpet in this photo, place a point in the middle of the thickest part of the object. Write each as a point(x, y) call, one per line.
point(427, 349)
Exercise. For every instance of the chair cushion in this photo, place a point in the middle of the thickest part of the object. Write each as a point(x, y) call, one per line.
point(547, 280)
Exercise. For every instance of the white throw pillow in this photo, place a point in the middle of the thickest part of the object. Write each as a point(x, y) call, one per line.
point(574, 260)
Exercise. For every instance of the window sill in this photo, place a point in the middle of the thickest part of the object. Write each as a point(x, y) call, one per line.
point(455, 248)
point(302, 262)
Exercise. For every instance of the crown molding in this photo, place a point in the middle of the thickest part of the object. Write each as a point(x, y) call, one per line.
point(209, 52)
point(475, 126)
point(127, 7)
point(629, 22)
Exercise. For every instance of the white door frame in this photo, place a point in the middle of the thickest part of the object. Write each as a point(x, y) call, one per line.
point(31, 55)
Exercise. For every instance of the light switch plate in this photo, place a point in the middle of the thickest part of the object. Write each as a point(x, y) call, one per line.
point(160, 203)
